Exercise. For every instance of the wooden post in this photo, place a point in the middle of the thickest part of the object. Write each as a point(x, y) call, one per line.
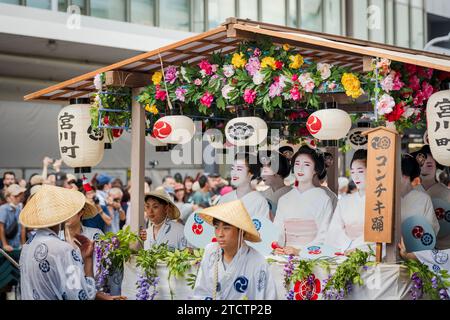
point(333, 172)
point(137, 162)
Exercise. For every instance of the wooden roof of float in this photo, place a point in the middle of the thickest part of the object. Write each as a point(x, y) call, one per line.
point(320, 47)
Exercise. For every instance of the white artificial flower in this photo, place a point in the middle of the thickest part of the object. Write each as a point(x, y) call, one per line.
point(324, 69)
point(98, 82)
point(228, 70)
point(226, 91)
point(258, 78)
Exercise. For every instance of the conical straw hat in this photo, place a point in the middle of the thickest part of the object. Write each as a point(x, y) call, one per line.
point(51, 206)
point(235, 214)
point(173, 211)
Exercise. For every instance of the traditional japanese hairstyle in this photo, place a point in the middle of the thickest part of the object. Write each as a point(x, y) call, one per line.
point(252, 161)
point(410, 167)
point(422, 155)
point(269, 158)
point(361, 155)
point(317, 157)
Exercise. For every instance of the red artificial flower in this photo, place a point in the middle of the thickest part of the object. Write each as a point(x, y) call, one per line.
point(278, 64)
point(303, 132)
point(425, 72)
point(419, 98)
point(427, 90)
point(296, 95)
point(414, 83)
point(206, 66)
point(294, 77)
point(397, 113)
point(160, 94)
point(207, 99)
point(411, 69)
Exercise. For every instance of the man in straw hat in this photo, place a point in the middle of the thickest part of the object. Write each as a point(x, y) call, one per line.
point(231, 270)
point(52, 269)
point(162, 214)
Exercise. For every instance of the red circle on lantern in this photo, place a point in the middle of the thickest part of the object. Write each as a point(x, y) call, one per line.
point(313, 124)
point(304, 291)
point(162, 130)
point(197, 228)
point(440, 213)
point(417, 232)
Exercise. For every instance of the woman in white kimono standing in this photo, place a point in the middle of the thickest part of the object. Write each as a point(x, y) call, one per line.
point(49, 266)
point(162, 214)
point(304, 213)
point(431, 186)
point(415, 202)
point(275, 169)
point(346, 231)
point(230, 269)
point(246, 167)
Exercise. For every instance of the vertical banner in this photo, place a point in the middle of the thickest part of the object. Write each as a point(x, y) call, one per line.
point(380, 189)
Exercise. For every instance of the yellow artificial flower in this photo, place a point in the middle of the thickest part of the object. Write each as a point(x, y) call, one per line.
point(152, 109)
point(268, 62)
point(238, 60)
point(352, 85)
point(286, 47)
point(297, 61)
point(157, 77)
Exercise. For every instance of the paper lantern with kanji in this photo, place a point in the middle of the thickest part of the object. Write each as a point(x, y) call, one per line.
point(174, 129)
point(80, 145)
point(438, 123)
point(329, 124)
point(246, 131)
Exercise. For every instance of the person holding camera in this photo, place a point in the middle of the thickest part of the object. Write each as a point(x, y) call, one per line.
point(102, 219)
point(114, 210)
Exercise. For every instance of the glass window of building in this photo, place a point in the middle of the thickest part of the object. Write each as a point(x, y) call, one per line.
point(332, 16)
point(292, 20)
point(109, 9)
point(389, 18)
point(219, 10)
point(142, 12)
point(41, 4)
point(402, 23)
point(311, 15)
point(417, 27)
point(375, 20)
point(174, 14)
point(198, 23)
point(81, 4)
point(273, 12)
point(359, 19)
point(10, 1)
point(248, 9)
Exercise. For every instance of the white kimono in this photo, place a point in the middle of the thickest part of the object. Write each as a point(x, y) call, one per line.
point(246, 277)
point(303, 217)
point(171, 233)
point(346, 231)
point(254, 202)
point(51, 269)
point(436, 260)
point(272, 197)
point(332, 195)
point(440, 191)
point(419, 203)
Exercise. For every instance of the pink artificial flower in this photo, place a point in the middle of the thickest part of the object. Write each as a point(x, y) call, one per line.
point(160, 94)
point(427, 90)
point(425, 73)
point(214, 67)
point(397, 82)
point(180, 92)
point(275, 89)
point(206, 67)
point(386, 104)
point(249, 96)
point(257, 52)
point(198, 82)
point(419, 98)
point(414, 83)
point(171, 74)
point(207, 99)
point(309, 87)
point(294, 77)
point(332, 86)
point(387, 83)
point(411, 69)
point(253, 65)
point(295, 94)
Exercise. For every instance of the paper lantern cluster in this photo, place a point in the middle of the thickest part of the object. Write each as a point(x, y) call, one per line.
point(172, 130)
point(80, 145)
point(329, 124)
point(438, 123)
point(246, 131)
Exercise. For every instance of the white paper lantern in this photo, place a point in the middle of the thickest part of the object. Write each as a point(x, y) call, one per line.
point(438, 123)
point(246, 131)
point(356, 139)
point(174, 129)
point(329, 124)
point(80, 146)
point(154, 142)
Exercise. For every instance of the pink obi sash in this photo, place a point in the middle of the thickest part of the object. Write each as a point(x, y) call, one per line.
point(300, 231)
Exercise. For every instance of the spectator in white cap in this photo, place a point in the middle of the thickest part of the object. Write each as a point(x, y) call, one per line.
point(50, 268)
point(10, 229)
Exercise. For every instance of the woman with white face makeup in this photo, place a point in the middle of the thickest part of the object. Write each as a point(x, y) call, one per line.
point(247, 167)
point(304, 213)
point(346, 230)
point(437, 191)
